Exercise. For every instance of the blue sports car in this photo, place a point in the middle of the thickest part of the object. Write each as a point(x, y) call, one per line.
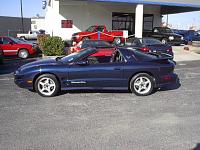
point(125, 70)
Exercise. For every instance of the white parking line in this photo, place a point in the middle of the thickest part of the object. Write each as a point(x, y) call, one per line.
point(6, 79)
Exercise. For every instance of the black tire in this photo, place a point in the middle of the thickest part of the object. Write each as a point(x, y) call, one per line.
point(85, 38)
point(1, 62)
point(45, 76)
point(23, 53)
point(117, 41)
point(164, 41)
point(23, 37)
point(145, 76)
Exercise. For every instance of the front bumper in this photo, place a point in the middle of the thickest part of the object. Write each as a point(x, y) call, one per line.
point(22, 81)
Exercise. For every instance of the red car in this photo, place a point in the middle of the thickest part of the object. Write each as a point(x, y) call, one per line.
point(106, 49)
point(92, 33)
point(12, 46)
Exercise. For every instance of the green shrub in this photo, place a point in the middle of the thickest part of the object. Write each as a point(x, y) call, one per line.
point(40, 41)
point(53, 46)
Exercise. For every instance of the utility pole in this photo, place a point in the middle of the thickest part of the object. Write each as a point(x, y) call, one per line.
point(22, 18)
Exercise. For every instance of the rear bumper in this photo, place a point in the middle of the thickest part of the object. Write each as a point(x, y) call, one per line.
point(168, 80)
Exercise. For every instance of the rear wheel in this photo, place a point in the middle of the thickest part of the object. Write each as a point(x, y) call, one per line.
point(142, 84)
point(47, 85)
point(117, 41)
point(23, 53)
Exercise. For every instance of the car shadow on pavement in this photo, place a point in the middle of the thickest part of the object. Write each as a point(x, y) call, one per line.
point(12, 64)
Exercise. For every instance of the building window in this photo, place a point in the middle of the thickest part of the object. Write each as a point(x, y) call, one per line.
point(66, 23)
point(33, 22)
point(126, 21)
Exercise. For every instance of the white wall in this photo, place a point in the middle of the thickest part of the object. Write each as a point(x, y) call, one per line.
point(37, 24)
point(85, 14)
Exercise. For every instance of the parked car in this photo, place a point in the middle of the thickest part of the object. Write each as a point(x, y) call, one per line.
point(165, 35)
point(11, 46)
point(192, 35)
point(127, 69)
point(150, 45)
point(31, 35)
point(92, 33)
point(92, 43)
point(1, 56)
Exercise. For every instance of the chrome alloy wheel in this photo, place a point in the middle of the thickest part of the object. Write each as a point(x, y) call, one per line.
point(23, 54)
point(142, 85)
point(46, 86)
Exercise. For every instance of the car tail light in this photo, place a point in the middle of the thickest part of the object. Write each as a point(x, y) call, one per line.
point(167, 78)
point(169, 50)
point(145, 49)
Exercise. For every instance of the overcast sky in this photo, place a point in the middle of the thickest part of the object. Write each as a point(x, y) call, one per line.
point(33, 7)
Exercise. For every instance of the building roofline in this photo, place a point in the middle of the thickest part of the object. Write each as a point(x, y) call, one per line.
point(151, 3)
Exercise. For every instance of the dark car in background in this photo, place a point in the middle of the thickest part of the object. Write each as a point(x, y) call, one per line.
point(149, 45)
point(165, 35)
point(126, 70)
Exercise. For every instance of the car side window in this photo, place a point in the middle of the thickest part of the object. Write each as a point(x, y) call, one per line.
point(117, 57)
point(98, 58)
point(5, 41)
point(136, 42)
point(1, 41)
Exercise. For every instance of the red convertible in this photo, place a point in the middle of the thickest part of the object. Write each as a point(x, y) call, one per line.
point(99, 32)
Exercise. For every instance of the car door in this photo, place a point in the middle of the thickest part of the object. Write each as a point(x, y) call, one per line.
point(97, 75)
point(8, 47)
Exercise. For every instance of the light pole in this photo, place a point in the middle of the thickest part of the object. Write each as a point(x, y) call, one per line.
point(22, 18)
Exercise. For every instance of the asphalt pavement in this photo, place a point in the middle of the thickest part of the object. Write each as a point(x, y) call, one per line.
point(106, 120)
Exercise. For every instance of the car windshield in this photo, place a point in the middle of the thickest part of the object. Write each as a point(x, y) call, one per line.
point(150, 42)
point(16, 40)
point(90, 29)
point(74, 56)
point(165, 30)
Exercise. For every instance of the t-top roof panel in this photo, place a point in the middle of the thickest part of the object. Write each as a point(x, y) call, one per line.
point(183, 3)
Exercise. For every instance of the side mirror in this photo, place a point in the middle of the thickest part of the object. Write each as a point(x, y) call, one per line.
point(11, 43)
point(82, 63)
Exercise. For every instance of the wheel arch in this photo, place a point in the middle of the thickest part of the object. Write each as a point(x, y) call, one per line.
point(42, 73)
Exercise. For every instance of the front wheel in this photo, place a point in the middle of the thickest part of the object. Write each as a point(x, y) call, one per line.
point(142, 84)
point(47, 85)
point(164, 41)
point(23, 53)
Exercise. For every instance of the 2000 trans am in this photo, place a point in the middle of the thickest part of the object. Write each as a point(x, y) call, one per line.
point(125, 69)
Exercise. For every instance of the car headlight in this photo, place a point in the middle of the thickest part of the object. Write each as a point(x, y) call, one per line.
point(171, 38)
point(182, 38)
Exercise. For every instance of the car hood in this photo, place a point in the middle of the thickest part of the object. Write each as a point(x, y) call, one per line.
point(39, 63)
